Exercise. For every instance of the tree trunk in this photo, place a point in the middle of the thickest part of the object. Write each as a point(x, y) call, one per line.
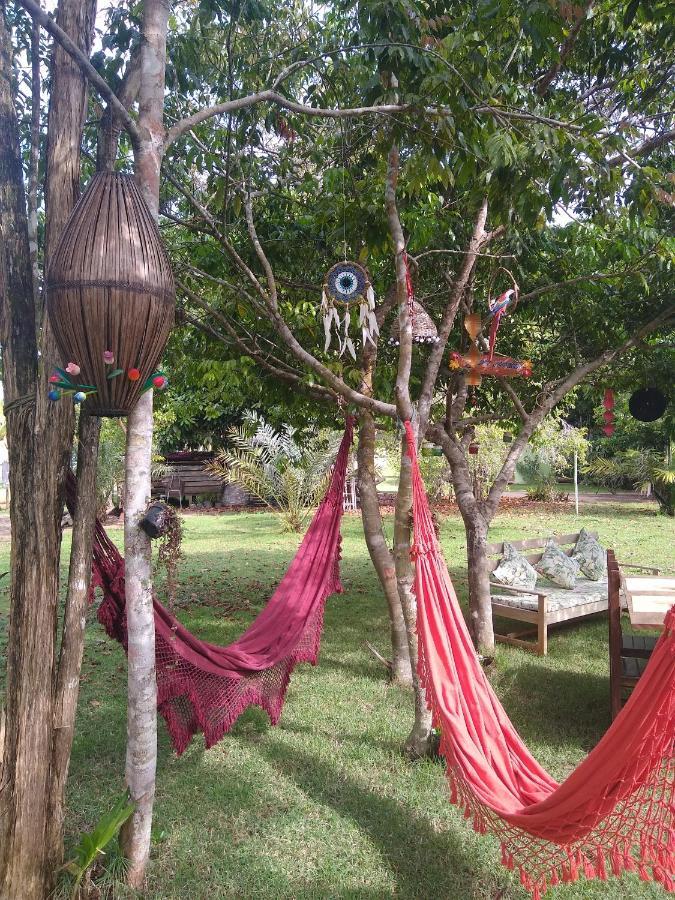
point(480, 606)
point(380, 554)
point(142, 685)
point(419, 742)
point(72, 641)
point(39, 435)
point(142, 688)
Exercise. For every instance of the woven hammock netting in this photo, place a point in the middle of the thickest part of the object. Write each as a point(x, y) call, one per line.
point(205, 688)
point(614, 813)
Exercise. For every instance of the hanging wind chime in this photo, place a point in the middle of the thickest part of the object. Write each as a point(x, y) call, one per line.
point(346, 287)
point(478, 364)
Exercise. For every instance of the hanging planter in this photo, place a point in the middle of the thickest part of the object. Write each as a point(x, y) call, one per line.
point(110, 298)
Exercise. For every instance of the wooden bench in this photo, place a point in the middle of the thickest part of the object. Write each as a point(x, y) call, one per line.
point(541, 607)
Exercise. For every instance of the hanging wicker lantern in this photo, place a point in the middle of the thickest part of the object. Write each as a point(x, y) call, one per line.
point(423, 327)
point(110, 298)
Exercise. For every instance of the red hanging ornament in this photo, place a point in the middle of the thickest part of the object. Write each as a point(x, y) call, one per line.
point(608, 401)
point(609, 430)
point(473, 449)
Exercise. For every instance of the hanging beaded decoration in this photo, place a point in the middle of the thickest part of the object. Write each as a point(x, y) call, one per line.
point(346, 286)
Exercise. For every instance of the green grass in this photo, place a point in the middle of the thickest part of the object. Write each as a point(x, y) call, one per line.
point(324, 805)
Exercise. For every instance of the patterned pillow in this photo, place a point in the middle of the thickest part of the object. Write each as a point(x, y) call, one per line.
point(515, 569)
point(591, 556)
point(557, 566)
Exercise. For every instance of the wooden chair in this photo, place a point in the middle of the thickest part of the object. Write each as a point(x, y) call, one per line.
point(628, 653)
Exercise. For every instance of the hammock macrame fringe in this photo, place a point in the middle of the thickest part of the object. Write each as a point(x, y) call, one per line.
point(616, 811)
point(202, 687)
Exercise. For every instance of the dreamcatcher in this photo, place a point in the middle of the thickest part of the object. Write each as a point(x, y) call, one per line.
point(345, 288)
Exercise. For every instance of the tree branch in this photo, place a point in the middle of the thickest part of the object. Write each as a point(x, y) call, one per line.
point(85, 65)
point(476, 241)
point(547, 403)
point(329, 377)
point(545, 81)
point(316, 391)
point(402, 387)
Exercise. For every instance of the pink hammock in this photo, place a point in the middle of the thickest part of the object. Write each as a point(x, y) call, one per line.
point(203, 687)
point(615, 812)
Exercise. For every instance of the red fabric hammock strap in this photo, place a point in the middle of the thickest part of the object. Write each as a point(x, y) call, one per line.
point(204, 687)
point(615, 812)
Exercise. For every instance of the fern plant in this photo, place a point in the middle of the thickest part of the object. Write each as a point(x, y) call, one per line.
point(645, 470)
point(289, 478)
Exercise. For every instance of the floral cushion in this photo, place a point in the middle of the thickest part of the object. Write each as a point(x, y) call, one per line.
point(557, 566)
point(591, 556)
point(514, 569)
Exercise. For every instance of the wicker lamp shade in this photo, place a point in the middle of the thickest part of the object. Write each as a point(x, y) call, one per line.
point(423, 328)
point(111, 295)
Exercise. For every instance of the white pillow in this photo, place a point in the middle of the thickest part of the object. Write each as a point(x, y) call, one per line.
point(515, 569)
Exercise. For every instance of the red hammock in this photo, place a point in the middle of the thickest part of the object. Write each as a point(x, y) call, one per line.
point(203, 687)
point(615, 812)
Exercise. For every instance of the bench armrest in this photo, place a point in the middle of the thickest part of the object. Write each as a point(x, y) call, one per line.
point(650, 569)
point(518, 590)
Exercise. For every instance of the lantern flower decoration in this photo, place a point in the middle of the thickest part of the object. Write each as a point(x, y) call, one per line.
point(346, 287)
point(608, 415)
point(110, 296)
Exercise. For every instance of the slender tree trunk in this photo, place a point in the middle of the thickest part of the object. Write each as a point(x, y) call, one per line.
point(142, 690)
point(72, 640)
point(380, 554)
point(419, 742)
point(142, 684)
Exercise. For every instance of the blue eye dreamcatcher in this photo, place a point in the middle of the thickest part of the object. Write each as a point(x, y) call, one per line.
point(346, 287)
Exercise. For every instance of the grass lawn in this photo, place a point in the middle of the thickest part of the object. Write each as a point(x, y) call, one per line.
point(324, 805)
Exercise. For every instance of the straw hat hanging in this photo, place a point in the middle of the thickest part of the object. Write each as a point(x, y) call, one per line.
point(110, 298)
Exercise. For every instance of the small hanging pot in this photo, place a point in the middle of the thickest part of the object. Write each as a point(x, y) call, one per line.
point(507, 437)
point(473, 448)
point(155, 522)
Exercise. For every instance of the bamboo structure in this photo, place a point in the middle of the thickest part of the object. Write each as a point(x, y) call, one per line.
point(110, 297)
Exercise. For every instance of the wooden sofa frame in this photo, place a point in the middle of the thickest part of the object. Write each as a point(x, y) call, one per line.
point(539, 619)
